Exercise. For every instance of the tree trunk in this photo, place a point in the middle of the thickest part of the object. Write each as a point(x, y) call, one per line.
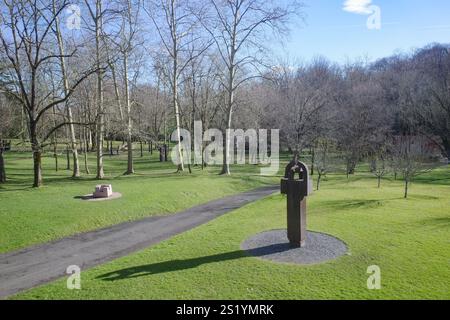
point(68, 158)
point(227, 147)
point(86, 150)
point(73, 140)
point(55, 155)
point(86, 164)
point(379, 182)
point(36, 148)
point(100, 97)
point(107, 145)
point(203, 153)
point(55, 142)
point(130, 167)
point(23, 126)
point(352, 167)
point(177, 116)
point(318, 182)
point(91, 141)
point(37, 182)
point(406, 187)
point(2, 168)
point(100, 172)
point(116, 90)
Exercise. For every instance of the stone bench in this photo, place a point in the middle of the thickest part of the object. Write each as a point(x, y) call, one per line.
point(103, 191)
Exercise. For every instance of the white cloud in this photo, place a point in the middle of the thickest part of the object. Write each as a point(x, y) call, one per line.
point(358, 6)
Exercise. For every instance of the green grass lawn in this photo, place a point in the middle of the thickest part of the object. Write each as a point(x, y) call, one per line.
point(29, 216)
point(407, 239)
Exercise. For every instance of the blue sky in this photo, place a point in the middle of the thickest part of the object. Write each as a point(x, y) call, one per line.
point(339, 35)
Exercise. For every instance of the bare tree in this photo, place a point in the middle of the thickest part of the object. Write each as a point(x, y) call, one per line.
point(65, 79)
point(203, 92)
point(362, 119)
point(238, 28)
point(432, 65)
point(305, 101)
point(322, 161)
point(378, 167)
point(176, 27)
point(126, 44)
point(97, 13)
point(86, 98)
point(25, 36)
point(414, 155)
point(379, 147)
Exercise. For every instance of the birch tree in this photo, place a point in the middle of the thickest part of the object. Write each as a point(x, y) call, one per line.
point(239, 28)
point(126, 44)
point(65, 79)
point(177, 28)
point(97, 14)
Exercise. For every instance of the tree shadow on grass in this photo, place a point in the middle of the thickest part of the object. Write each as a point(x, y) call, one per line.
point(443, 222)
point(16, 187)
point(436, 181)
point(353, 204)
point(178, 265)
point(350, 204)
point(422, 197)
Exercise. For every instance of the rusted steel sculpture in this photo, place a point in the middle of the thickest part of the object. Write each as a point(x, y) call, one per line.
point(296, 190)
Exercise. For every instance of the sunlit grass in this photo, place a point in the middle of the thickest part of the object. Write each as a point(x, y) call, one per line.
point(29, 216)
point(407, 239)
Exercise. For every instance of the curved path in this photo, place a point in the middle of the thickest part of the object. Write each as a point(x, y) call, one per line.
point(39, 264)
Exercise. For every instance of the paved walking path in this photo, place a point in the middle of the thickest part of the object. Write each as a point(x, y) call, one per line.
point(39, 264)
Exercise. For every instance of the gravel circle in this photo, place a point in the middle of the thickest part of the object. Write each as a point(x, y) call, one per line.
point(274, 246)
point(90, 197)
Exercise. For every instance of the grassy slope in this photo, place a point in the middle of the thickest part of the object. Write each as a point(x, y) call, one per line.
point(29, 216)
point(408, 239)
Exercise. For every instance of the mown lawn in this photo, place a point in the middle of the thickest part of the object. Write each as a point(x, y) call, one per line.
point(29, 216)
point(407, 239)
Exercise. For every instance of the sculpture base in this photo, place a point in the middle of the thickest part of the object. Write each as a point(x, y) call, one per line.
point(273, 246)
point(91, 197)
point(297, 245)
